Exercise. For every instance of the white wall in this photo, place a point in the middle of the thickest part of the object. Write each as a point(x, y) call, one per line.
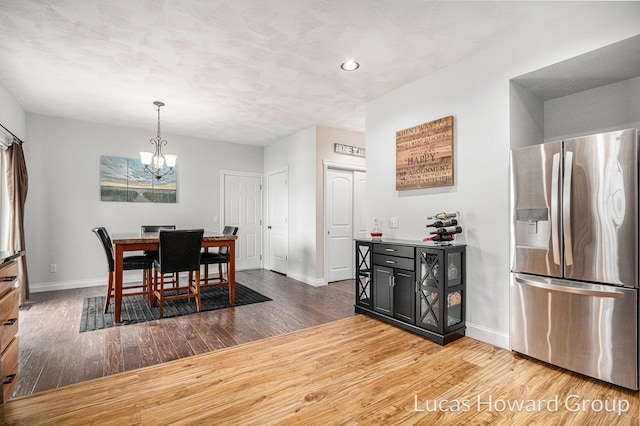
point(63, 158)
point(526, 117)
point(303, 154)
point(12, 116)
point(298, 153)
point(476, 92)
point(611, 107)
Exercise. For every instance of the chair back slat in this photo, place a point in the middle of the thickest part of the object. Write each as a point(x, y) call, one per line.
point(179, 250)
point(105, 239)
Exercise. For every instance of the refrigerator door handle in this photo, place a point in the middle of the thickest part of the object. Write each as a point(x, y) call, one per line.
point(555, 210)
point(566, 208)
point(613, 293)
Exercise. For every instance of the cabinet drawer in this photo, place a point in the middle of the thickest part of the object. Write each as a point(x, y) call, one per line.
point(8, 271)
point(393, 262)
point(9, 368)
point(8, 317)
point(394, 250)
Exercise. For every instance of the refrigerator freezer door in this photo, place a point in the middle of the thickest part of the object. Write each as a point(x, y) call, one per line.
point(536, 234)
point(601, 208)
point(591, 329)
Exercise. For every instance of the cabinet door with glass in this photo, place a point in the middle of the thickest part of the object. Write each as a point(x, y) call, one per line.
point(440, 288)
point(363, 274)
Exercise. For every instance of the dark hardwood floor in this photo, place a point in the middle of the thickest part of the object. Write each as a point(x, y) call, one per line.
point(53, 353)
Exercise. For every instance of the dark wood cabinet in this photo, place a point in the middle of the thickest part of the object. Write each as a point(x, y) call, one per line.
point(417, 286)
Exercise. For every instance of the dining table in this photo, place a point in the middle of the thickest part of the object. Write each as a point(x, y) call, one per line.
point(136, 241)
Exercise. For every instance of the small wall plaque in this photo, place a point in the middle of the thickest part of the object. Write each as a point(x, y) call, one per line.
point(349, 150)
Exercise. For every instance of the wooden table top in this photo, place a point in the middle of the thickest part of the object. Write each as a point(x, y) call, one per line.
point(147, 237)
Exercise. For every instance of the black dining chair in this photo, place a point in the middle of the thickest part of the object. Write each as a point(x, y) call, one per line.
point(129, 263)
point(154, 229)
point(220, 258)
point(178, 251)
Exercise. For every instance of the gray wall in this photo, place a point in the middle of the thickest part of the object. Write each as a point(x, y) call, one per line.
point(297, 153)
point(303, 154)
point(63, 159)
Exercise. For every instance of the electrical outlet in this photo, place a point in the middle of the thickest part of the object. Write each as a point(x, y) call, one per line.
point(393, 222)
point(215, 219)
point(54, 268)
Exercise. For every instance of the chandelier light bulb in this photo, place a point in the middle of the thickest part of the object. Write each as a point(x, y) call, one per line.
point(171, 160)
point(146, 158)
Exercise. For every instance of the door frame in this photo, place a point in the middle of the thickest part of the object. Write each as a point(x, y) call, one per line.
point(266, 264)
point(326, 165)
point(223, 174)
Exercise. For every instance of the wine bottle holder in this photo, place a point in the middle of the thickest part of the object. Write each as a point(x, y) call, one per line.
point(446, 227)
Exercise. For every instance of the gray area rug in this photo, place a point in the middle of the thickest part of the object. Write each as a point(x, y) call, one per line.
point(136, 309)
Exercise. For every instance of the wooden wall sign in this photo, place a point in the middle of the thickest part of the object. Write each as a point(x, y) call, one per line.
point(349, 150)
point(424, 155)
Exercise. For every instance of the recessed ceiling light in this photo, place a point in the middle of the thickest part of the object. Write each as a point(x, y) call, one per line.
point(350, 65)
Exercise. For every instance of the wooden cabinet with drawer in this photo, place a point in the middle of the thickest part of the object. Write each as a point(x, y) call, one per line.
point(414, 285)
point(9, 306)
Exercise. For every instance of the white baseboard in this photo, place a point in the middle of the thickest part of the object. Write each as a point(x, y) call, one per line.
point(488, 335)
point(92, 282)
point(66, 285)
point(69, 285)
point(315, 282)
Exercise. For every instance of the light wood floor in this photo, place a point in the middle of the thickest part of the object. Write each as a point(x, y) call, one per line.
point(351, 371)
point(53, 353)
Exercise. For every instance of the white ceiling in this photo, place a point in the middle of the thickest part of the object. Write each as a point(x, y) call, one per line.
point(243, 71)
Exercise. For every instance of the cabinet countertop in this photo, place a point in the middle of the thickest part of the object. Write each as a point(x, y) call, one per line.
point(412, 243)
point(7, 256)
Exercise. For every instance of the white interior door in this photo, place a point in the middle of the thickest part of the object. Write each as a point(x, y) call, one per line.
point(277, 226)
point(340, 223)
point(359, 205)
point(243, 208)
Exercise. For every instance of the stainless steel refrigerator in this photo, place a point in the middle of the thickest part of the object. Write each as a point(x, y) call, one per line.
point(574, 255)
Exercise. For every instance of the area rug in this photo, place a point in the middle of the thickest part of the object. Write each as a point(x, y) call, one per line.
point(136, 309)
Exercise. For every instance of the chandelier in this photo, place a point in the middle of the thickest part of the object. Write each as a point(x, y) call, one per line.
point(157, 163)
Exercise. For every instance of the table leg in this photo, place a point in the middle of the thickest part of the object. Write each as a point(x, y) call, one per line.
point(232, 271)
point(117, 299)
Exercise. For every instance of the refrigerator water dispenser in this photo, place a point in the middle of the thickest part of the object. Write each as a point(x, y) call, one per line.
point(532, 228)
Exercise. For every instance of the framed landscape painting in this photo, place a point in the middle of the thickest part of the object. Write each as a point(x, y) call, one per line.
point(124, 179)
